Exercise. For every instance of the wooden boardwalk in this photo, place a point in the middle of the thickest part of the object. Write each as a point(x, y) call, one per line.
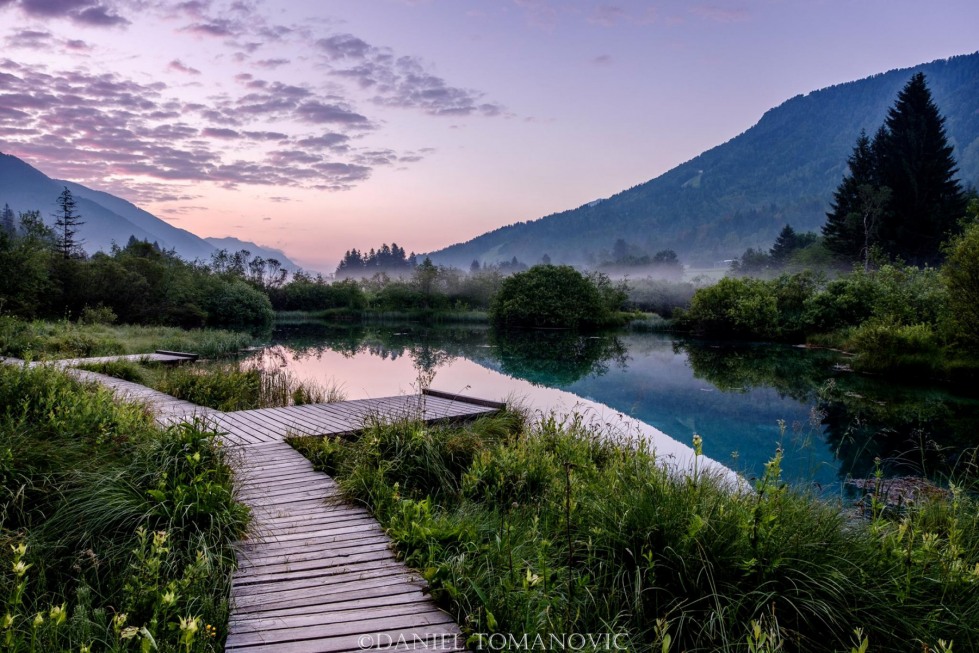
point(316, 573)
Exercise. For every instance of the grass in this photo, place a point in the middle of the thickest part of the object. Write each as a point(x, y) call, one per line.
point(226, 386)
point(64, 339)
point(551, 528)
point(114, 535)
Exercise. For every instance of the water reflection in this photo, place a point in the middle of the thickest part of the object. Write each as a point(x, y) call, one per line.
point(835, 422)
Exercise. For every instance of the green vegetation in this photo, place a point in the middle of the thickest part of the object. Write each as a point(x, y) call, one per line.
point(557, 296)
point(900, 196)
point(42, 275)
point(893, 318)
point(554, 528)
point(39, 339)
point(114, 535)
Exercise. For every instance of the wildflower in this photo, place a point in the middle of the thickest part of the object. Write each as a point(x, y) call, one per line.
point(20, 568)
point(188, 628)
point(210, 631)
point(168, 598)
point(129, 632)
point(58, 614)
point(159, 538)
point(118, 621)
point(698, 445)
point(19, 550)
point(85, 648)
point(38, 620)
point(8, 619)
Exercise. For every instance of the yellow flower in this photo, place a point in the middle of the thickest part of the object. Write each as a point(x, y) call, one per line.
point(8, 621)
point(58, 614)
point(85, 648)
point(20, 568)
point(19, 550)
point(119, 621)
point(698, 445)
point(38, 620)
point(129, 632)
point(169, 598)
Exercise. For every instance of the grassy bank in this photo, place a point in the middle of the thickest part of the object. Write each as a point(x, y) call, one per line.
point(551, 529)
point(226, 386)
point(114, 535)
point(39, 339)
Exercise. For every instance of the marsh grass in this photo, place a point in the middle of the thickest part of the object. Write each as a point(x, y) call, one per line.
point(40, 339)
point(552, 528)
point(114, 535)
point(243, 385)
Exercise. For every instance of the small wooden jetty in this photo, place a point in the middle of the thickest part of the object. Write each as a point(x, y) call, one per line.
point(316, 573)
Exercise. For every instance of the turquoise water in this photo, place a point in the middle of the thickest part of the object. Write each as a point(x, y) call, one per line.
point(745, 401)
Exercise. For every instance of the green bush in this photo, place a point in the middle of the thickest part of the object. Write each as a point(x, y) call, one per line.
point(556, 296)
point(733, 307)
point(554, 528)
point(115, 535)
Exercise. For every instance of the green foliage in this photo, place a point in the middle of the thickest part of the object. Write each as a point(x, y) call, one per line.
point(556, 296)
point(120, 534)
point(553, 528)
point(64, 339)
point(900, 193)
point(800, 305)
point(961, 275)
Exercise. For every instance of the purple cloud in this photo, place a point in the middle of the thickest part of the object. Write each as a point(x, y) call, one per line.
point(178, 66)
point(400, 81)
point(319, 112)
point(85, 12)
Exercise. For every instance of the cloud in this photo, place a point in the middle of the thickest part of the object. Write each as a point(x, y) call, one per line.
point(178, 66)
point(402, 82)
point(220, 27)
point(607, 15)
point(345, 46)
point(94, 127)
point(272, 63)
point(602, 60)
point(318, 112)
point(721, 14)
point(99, 15)
point(30, 39)
point(85, 12)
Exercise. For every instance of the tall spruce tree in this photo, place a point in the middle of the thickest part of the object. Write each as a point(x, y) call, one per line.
point(7, 220)
point(66, 225)
point(916, 163)
point(843, 232)
point(900, 192)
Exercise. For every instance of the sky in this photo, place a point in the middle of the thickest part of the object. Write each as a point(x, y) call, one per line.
point(320, 126)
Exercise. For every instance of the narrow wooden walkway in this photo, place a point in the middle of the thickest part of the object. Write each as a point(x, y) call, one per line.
point(316, 573)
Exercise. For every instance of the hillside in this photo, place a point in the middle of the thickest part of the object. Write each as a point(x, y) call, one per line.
point(109, 219)
point(783, 170)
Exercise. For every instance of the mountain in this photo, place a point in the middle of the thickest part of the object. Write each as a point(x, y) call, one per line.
point(783, 170)
point(109, 219)
point(233, 245)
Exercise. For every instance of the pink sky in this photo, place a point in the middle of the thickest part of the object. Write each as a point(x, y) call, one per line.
point(317, 126)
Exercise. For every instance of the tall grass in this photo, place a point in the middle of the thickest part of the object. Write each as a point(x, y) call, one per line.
point(114, 535)
point(243, 386)
point(551, 528)
point(39, 339)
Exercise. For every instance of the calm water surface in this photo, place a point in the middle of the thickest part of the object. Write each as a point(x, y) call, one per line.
point(744, 400)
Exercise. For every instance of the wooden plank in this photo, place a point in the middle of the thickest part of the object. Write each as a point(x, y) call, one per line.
point(485, 403)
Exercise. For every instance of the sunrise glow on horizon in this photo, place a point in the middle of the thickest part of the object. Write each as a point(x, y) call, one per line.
point(315, 127)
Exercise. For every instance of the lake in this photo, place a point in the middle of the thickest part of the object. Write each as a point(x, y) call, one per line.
point(744, 400)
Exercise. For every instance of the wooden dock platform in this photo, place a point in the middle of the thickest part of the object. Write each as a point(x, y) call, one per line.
point(317, 574)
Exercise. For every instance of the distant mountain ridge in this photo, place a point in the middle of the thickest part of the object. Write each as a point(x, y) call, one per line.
point(740, 194)
point(109, 219)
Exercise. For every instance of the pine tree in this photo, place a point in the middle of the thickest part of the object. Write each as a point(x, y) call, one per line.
point(916, 163)
point(786, 243)
point(7, 220)
point(843, 232)
point(66, 225)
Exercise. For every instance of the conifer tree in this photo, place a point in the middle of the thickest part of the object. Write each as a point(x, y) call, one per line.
point(786, 243)
point(7, 219)
point(66, 225)
point(843, 232)
point(916, 163)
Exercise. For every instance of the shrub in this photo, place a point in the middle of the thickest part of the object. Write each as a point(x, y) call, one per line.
point(556, 296)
